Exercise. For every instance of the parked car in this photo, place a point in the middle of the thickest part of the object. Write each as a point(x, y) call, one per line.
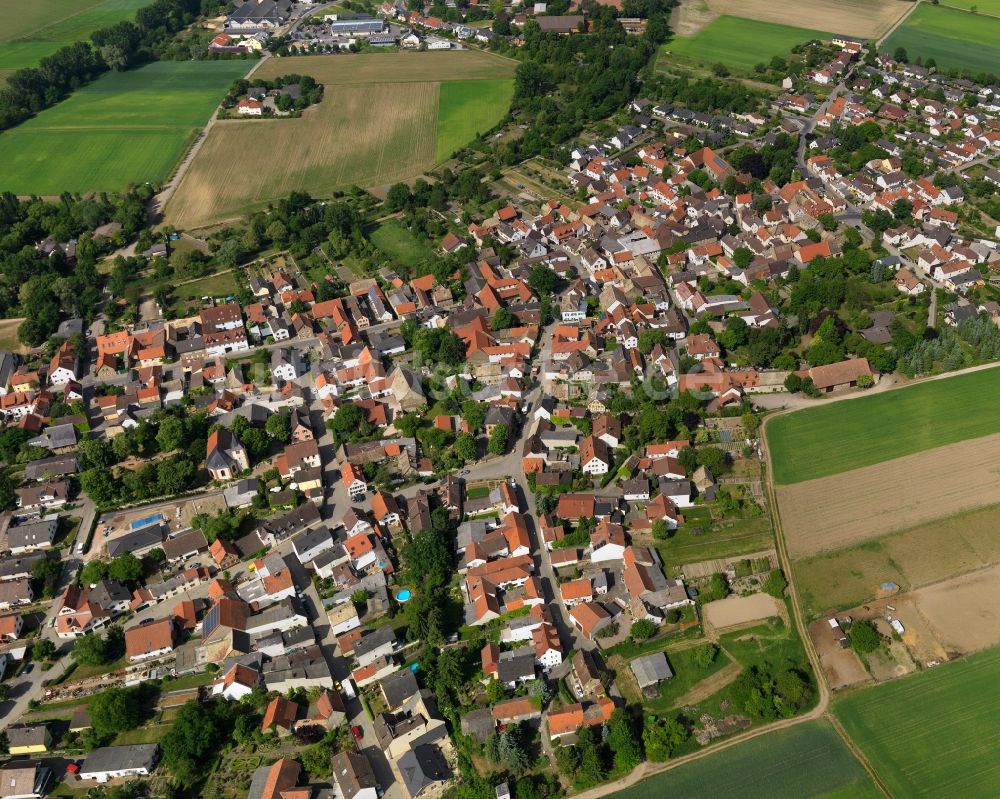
point(357, 732)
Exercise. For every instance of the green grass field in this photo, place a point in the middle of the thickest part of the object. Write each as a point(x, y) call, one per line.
point(468, 108)
point(952, 38)
point(933, 733)
point(41, 27)
point(834, 438)
point(808, 760)
point(126, 127)
point(395, 240)
point(738, 43)
point(981, 6)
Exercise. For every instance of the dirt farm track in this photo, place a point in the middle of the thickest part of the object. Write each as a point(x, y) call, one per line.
point(863, 504)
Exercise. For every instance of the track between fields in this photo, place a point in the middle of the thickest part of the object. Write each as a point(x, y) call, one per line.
point(896, 24)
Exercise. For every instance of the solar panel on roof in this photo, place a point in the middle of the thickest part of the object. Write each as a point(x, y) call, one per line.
point(211, 620)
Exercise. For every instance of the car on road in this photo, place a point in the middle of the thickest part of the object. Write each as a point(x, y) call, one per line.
point(144, 622)
point(28, 669)
point(357, 732)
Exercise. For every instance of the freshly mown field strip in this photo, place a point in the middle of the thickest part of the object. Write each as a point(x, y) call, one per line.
point(738, 43)
point(863, 504)
point(807, 760)
point(868, 19)
point(127, 127)
point(834, 438)
point(362, 135)
point(32, 30)
point(933, 733)
point(401, 67)
point(952, 38)
point(467, 108)
point(920, 556)
point(378, 123)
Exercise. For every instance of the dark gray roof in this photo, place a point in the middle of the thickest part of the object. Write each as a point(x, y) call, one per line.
point(39, 533)
point(119, 758)
point(56, 466)
point(479, 724)
point(651, 669)
point(374, 640)
point(138, 541)
point(422, 766)
point(309, 539)
point(56, 437)
point(516, 664)
point(398, 687)
point(17, 566)
point(108, 592)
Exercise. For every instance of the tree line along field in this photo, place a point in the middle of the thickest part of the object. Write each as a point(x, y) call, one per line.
point(126, 127)
point(807, 760)
point(384, 118)
point(29, 31)
point(738, 43)
point(833, 438)
point(953, 38)
point(932, 733)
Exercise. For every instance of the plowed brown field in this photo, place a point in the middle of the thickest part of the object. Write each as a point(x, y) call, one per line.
point(868, 19)
point(403, 67)
point(864, 504)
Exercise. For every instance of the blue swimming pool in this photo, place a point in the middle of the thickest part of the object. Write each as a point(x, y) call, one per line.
point(145, 521)
point(404, 595)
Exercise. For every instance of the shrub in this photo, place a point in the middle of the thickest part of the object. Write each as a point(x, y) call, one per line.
point(643, 630)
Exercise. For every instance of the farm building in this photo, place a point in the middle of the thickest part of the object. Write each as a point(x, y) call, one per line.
point(651, 670)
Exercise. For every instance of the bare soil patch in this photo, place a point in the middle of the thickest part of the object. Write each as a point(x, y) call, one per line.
point(737, 610)
point(841, 665)
point(963, 613)
point(690, 17)
point(869, 19)
point(863, 504)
